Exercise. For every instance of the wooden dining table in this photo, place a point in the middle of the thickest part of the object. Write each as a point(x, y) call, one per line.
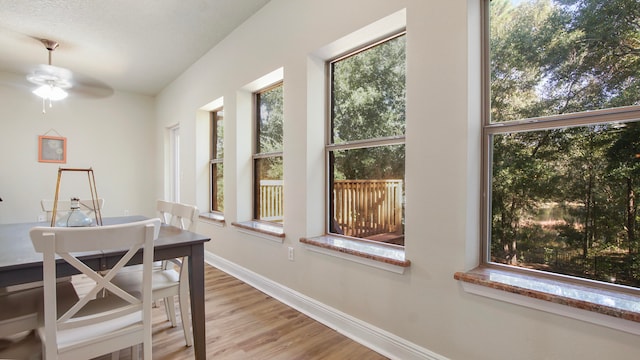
point(20, 263)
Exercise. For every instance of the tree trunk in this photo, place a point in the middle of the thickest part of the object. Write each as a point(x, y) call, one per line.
point(631, 216)
point(588, 218)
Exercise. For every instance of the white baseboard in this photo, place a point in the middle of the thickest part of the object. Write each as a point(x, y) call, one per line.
point(377, 339)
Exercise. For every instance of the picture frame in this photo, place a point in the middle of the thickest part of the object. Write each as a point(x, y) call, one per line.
point(52, 149)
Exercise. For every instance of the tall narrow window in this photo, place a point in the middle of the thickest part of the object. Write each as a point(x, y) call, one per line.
point(562, 139)
point(217, 164)
point(267, 159)
point(366, 148)
point(174, 145)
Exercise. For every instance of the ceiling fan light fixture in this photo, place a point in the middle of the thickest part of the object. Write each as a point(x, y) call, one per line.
point(52, 80)
point(52, 76)
point(50, 92)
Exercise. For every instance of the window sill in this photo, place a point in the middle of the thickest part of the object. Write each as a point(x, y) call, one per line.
point(614, 309)
point(215, 217)
point(380, 255)
point(267, 230)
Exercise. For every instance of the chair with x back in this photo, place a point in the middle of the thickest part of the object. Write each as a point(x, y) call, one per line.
point(173, 277)
point(64, 207)
point(185, 217)
point(106, 318)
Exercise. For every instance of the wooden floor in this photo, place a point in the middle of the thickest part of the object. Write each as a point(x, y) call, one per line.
point(243, 323)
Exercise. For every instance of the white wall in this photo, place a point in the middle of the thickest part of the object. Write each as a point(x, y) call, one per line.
point(425, 306)
point(112, 135)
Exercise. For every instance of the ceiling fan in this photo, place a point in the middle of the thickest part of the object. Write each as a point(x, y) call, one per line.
point(55, 83)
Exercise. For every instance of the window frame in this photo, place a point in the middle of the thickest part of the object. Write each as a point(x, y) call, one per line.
point(174, 161)
point(257, 156)
point(215, 160)
point(488, 129)
point(330, 146)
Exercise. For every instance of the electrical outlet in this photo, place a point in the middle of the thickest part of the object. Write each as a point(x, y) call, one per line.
point(290, 253)
point(126, 213)
point(41, 218)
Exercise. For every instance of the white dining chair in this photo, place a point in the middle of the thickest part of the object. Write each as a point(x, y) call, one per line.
point(106, 318)
point(21, 304)
point(24, 347)
point(164, 210)
point(19, 310)
point(21, 315)
point(185, 217)
point(172, 278)
point(64, 207)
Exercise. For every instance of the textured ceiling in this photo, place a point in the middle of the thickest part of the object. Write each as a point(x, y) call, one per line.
point(130, 45)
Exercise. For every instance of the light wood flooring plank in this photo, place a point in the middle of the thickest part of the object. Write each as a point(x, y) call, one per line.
point(243, 323)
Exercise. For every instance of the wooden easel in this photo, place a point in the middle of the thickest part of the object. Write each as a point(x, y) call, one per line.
point(92, 187)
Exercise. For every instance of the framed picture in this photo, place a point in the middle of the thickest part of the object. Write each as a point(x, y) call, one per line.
point(52, 149)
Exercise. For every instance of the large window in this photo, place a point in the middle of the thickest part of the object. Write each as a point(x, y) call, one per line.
point(366, 151)
point(267, 158)
point(216, 163)
point(562, 138)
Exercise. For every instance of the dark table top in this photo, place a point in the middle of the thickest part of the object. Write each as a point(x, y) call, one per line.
point(16, 249)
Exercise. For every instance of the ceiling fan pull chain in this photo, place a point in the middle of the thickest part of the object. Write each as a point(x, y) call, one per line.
point(44, 105)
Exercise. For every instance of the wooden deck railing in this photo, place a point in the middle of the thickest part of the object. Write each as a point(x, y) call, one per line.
point(362, 208)
point(271, 201)
point(365, 208)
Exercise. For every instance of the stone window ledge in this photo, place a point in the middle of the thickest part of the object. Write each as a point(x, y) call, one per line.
point(212, 216)
point(609, 307)
point(264, 229)
point(384, 256)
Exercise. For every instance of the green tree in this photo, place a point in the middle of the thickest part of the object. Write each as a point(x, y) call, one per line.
point(368, 103)
point(558, 57)
point(270, 132)
point(271, 120)
point(609, 38)
point(584, 172)
point(522, 162)
point(624, 169)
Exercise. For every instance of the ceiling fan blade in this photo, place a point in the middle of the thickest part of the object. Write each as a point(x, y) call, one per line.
point(15, 81)
point(94, 92)
point(86, 86)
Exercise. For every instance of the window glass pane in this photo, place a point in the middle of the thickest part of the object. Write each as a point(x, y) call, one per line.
point(550, 57)
point(368, 93)
point(367, 193)
point(219, 134)
point(216, 166)
point(217, 200)
point(566, 201)
point(269, 189)
point(270, 119)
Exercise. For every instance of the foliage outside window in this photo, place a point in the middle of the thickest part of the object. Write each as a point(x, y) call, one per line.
point(562, 138)
point(267, 159)
point(366, 151)
point(217, 164)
